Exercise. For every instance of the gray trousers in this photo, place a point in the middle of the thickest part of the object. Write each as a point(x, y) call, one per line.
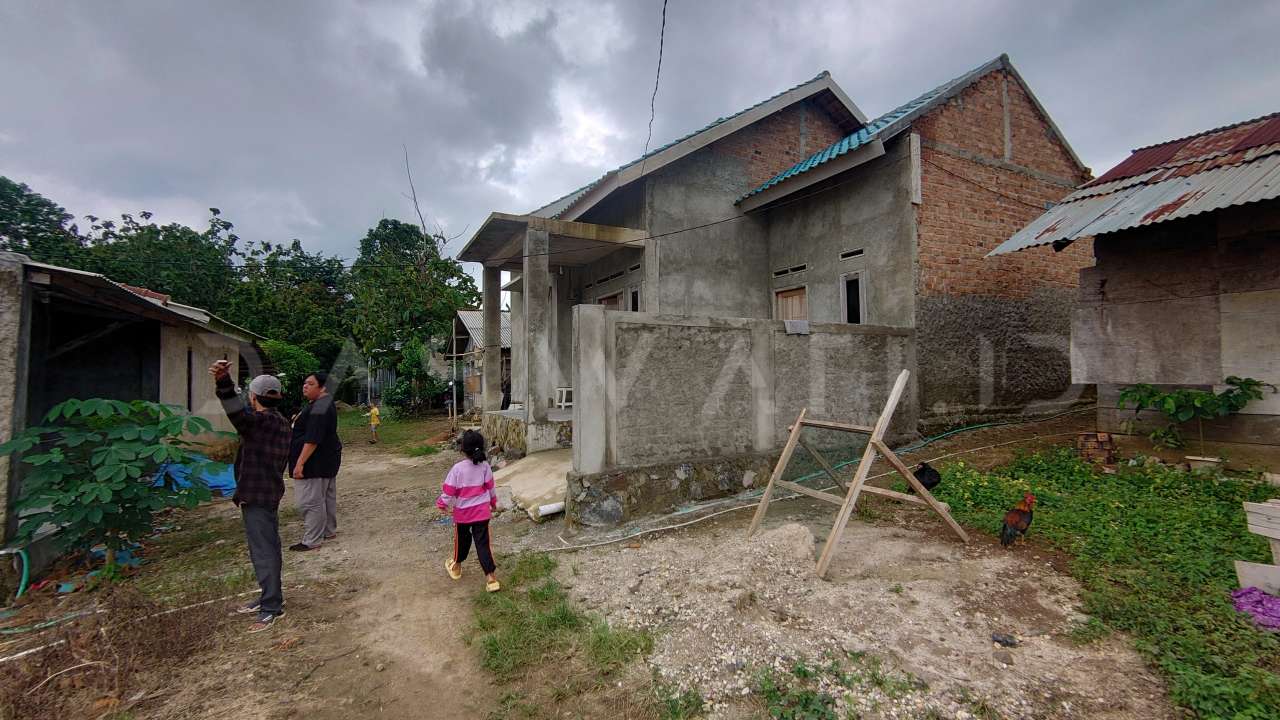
point(262, 531)
point(318, 501)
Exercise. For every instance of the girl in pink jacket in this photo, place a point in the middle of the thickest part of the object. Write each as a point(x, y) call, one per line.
point(468, 492)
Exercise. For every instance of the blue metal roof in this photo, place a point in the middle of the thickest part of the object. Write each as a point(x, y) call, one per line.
point(892, 122)
point(554, 208)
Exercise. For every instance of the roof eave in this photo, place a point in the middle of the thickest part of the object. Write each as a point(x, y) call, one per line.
point(626, 175)
point(848, 161)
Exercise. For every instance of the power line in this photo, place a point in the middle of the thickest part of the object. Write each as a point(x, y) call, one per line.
point(991, 190)
point(653, 99)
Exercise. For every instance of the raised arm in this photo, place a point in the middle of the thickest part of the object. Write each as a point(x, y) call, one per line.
point(243, 420)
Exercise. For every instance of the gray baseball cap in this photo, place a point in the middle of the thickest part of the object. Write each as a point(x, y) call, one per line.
point(266, 386)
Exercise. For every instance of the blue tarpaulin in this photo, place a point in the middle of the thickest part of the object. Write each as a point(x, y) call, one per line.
point(223, 483)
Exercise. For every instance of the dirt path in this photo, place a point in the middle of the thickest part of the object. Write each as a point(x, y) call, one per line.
point(374, 628)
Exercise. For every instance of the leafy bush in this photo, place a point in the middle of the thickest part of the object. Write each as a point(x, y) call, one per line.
point(292, 365)
point(95, 476)
point(1153, 548)
point(1184, 404)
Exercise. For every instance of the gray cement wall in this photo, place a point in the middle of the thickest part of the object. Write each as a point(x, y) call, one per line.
point(721, 270)
point(868, 209)
point(1188, 303)
point(984, 357)
point(656, 390)
point(206, 348)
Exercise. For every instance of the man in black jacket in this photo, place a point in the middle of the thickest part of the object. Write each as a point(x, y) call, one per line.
point(260, 462)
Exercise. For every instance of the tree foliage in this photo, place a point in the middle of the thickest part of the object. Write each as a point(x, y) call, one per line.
point(399, 289)
point(97, 475)
point(292, 365)
point(403, 288)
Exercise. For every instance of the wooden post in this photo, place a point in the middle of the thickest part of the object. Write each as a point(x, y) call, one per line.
point(860, 477)
point(875, 444)
point(787, 450)
point(920, 490)
point(826, 466)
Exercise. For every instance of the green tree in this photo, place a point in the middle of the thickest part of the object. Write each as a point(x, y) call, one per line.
point(36, 226)
point(403, 288)
point(289, 294)
point(292, 365)
point(416, 387)
point(195, 268)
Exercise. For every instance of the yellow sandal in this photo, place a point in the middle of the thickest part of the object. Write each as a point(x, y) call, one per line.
point(492, 586)
point(454, 570)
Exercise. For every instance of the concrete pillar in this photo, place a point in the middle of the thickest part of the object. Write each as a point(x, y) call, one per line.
point(519, 351)
point(492, 357)
point(651, 289)
point(590, 389)
point(538, 308)
point(762, 386)
point(15, 335)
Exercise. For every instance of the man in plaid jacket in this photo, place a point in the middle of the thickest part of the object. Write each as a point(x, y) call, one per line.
point(260, 461)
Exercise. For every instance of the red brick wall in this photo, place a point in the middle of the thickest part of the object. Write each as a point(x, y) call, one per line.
point(780, 140)
point(961, 219)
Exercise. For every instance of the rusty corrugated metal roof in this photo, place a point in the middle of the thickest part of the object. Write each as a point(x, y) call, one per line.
point(1221, 168)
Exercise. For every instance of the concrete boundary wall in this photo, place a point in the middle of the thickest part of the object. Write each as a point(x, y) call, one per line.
point(653, 390)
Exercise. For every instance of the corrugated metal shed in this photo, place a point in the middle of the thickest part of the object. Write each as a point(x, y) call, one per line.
point(473, 320)
point(1211, 171)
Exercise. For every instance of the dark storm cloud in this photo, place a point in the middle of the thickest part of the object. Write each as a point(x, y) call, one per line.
point(290, 116)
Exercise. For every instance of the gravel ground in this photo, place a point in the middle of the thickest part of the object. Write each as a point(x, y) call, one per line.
point(907, 616)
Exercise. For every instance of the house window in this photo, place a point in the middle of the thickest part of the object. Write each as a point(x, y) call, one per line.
point(853, 292)
point(791, 304)
point(635, 301)
point(612, 302)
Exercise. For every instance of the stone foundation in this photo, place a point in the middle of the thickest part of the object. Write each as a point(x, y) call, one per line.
point(612, 498)
point(515, 437)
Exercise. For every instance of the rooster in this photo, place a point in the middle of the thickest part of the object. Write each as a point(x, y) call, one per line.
point(927, 476)
point(1017, 520)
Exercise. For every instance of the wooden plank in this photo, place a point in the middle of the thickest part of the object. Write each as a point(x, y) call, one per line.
point(900, 497)
point(826, 466)
point(1268, 509)
point(1261, 520)
point(828, 425)
point(817, 494)
point(915, 484)
point(842, 518)
point(882, 425)
point(1267, 532)
point(787, 450)
point(860, 477)
point(1264, 577)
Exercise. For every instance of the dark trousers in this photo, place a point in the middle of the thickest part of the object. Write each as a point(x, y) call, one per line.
point(464, 534)
point(262, 530)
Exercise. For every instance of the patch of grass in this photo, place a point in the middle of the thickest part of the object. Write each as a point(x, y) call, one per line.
point(206, 558)
point(533, 619)
point(800, 692)
point(402, 435)
point(897, 589)
point(675, 705)
point(795, 696)
point(1153, 549)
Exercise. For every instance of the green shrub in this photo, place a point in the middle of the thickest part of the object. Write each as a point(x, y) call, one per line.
point(1153, 549)
point(94, 475)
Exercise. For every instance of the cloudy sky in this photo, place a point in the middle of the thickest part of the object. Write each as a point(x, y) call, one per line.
point(290, 116)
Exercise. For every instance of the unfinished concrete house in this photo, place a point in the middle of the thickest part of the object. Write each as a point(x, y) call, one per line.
point(648, 307)
point(1186, 286)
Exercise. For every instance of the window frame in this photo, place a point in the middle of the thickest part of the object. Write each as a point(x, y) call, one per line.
point(861, 275)
point(789, 288)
